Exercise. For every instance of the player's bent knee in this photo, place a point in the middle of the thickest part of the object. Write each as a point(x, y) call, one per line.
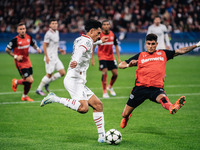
point(99, 106)
point(83, 110)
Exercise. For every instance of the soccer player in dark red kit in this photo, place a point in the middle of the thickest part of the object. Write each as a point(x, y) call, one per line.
point(150, 76)
point(106, 58)
point(20, 45)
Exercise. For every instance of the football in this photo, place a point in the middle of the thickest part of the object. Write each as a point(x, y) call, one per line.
point(113, 136)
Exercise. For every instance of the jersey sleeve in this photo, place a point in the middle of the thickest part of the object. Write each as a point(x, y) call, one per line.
point(132, 58)
point(47, 37)
point(169, 54)
point(115, 40)
point(12, 44)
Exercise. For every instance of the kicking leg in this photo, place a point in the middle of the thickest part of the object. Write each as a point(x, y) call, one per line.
point(127, 113)
point(173, 108)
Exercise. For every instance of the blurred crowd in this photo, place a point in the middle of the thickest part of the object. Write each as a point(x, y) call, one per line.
point(125, 15)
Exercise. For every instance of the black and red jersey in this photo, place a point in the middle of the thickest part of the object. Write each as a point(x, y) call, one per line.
point(105, 50)
point(20, 46)
point(151, 67)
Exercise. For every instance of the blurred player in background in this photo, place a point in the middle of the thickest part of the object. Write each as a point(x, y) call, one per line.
point(150, 77)
point(52, 62)
point(81, 96)
point(20, 46)
point(161, 31)
point(106, 58)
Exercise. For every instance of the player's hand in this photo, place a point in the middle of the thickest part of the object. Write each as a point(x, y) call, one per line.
point(92, 62)
point(133, 63)
point(104, 39)
point(73, 64)
point(47, 59)
point(19, 58)
point(62, 51)
point(39, 50)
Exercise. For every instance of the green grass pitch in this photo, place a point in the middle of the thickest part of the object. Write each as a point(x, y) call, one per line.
point(26, 125)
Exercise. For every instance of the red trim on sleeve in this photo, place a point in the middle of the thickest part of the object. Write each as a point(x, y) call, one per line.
point(84, 47)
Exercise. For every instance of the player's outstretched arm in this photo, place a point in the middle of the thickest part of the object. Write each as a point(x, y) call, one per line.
point(184, 50)
point(123, 65)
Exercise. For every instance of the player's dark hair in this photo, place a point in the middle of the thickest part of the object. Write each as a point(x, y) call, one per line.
point(106, 21)
point(20, 24)
point(151, 37)
point(92, 24)
point(52, 19)
point(157, 17)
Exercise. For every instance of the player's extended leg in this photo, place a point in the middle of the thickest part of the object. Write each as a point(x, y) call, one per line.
point(27, 87)
point(173, 108)
point(98, 116)
point(127, 113)
point(79, 106)
point(112, 81)
point(104, 82)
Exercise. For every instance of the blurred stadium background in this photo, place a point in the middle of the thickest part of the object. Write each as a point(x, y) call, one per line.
point(129, 18)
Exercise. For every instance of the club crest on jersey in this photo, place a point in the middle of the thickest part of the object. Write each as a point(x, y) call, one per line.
point(111, 38)
point(158, 53)
point(28, 40)
point(131, 96)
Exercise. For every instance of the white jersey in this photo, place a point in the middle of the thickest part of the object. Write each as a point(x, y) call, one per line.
point(52, 38)
point(82, 52)
point(161, 32)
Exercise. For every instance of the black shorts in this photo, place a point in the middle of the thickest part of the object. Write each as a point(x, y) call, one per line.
point(107, 64)
point(140, 93)
point(26, 72)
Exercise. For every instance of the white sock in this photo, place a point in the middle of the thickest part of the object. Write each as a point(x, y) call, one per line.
point(99, 120)
point(55, 76)
point(45, 80)
point(70, 103)
point(23, 95)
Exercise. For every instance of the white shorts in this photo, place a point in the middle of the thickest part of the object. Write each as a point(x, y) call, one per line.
point(53, 65)
point(77, 89)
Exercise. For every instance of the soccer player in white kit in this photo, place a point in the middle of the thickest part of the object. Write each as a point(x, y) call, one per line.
point(81, 96)
point(161, 31)
point(52, 62)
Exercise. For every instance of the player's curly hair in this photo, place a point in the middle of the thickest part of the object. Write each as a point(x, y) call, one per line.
point(151, 37)
point(92, 24)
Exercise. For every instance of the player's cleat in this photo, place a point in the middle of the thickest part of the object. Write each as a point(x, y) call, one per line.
point(48, 99)
point(46, 87)
point(27, 98)
point(101, 140)
point(40, 92)
point(125, 121)
point(112, 92)
point(105, 95)
point(177, 105)
point(14, 85)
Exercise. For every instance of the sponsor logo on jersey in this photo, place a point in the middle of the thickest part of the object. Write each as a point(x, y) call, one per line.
point(152, 59)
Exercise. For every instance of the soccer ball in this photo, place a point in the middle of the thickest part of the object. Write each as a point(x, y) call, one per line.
point(113, 136)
